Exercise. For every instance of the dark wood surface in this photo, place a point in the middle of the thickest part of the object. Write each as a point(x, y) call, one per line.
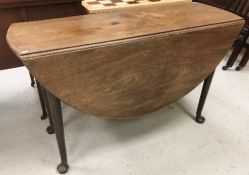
point(12, 11)
point(240, 7)
point(217, 3)
point(127, 63)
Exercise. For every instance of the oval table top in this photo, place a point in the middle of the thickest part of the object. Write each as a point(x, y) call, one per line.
point(127, 63)
point(100, 29)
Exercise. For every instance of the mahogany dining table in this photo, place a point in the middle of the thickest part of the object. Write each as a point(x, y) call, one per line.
point(124, 64)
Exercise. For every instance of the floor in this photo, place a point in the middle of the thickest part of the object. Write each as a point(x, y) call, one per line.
point(165, 142)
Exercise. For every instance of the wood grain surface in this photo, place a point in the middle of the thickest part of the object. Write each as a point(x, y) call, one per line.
point(87, 30)
point(128, 69)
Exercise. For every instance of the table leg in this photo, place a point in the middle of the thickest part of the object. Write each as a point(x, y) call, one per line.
point(50, 128)
point(56, 113)
point(207, 82)
point(44, 112)
point(32, 80)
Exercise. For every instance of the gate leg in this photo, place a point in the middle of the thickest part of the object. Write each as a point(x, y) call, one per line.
point(50, 128)
point(44, 112)
point(32, 80)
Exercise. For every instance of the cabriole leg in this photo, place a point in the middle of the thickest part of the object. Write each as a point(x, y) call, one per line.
point(56, 113)
point(207, 82)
